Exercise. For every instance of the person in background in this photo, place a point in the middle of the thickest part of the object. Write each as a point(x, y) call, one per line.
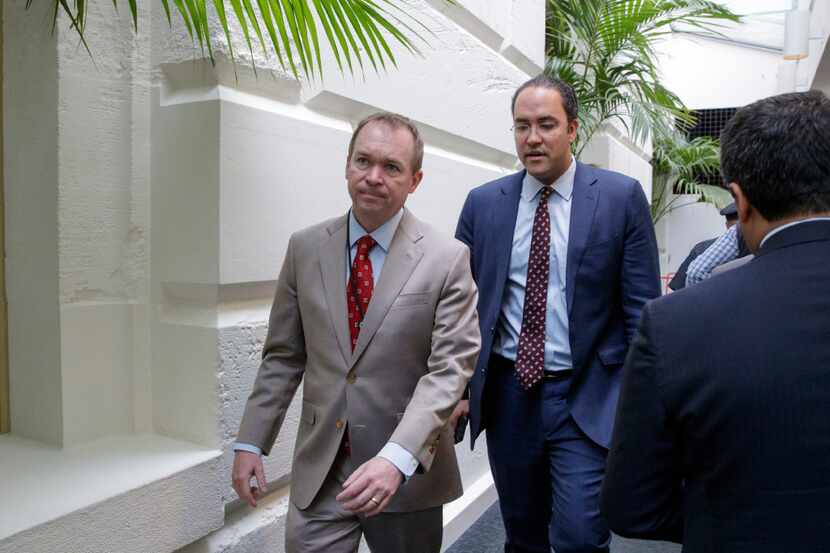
point(726, 248)
point(722, 437)
point(678, 281)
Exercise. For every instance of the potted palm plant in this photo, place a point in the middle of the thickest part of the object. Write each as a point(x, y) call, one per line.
point(605, 50)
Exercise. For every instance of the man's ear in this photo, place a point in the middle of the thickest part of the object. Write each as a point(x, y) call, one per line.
point(573, 125)
point(741, 202)
point(416, 180)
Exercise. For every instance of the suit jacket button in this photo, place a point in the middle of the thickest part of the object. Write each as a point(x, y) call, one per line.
point(351, 378)
point(339, 424)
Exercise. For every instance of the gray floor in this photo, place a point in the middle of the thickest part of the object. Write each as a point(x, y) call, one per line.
point(487, 536)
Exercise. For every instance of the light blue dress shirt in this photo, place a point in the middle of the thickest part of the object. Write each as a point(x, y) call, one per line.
point(392, 452)
point(557, 337)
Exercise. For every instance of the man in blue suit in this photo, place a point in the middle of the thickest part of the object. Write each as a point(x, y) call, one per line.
point(565, 257)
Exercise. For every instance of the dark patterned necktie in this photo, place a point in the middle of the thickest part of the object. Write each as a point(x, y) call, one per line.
point(360, 287)
point(530, 357)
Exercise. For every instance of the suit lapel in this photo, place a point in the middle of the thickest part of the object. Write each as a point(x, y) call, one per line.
point(401, 260)
point(333, 267)
point(585, 196)
point(503, 226)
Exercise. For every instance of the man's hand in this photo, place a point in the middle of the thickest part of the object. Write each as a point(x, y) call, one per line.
point(463, 408)
point(245, 466)
point(370, 488)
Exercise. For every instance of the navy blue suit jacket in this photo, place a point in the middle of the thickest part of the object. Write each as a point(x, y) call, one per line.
point(612, 270)
point(722, 439)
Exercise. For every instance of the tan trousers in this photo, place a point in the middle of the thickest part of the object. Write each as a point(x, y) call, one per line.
point(325, 527)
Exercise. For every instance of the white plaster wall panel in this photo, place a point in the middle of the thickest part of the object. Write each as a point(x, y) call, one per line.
point(31, 205)
point(283, 169)
point(513, 28)
point(96, 371)
point(240, 351)
point(461, 86)
point(280, 172)
point(447, 180)
point(99, 259)
point(159, 517)
point(185, 268)
point(184, 388)
point(628, 162)
point(709, 74)
point(108, 468)
point(496, 14)
point(141, 383)
point(607, 152)
point(528, 30)
point(185, 191)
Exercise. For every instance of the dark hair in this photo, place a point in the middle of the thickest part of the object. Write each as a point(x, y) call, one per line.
point(566, 91)
point(396, 122)
point(778, 151)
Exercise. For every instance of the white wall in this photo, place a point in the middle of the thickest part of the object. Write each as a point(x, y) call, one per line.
point(709, 74)
point(155, 194)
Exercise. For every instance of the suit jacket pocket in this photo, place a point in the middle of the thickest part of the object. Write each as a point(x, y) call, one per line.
point(612, 355)
point(411, 300)
point(308, 414)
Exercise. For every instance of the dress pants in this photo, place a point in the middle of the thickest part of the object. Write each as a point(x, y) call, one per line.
point(548, 473)
point(326, 527)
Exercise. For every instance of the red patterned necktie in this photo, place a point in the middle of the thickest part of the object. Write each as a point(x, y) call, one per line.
point(361, 284)
point(530, 357)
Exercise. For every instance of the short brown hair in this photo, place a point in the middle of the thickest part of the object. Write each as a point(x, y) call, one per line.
point(396, 122)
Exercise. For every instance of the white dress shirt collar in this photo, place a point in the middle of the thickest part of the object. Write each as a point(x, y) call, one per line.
point(564, 185)
point(383, 234)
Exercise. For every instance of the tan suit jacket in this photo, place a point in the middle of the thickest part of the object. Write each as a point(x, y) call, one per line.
point(414, 356)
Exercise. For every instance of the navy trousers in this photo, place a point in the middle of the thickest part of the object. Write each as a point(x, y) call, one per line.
point(548, 473)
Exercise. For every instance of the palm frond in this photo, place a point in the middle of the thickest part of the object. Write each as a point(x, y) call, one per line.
point(605, 50)
point(679, 165)
point(353, 29)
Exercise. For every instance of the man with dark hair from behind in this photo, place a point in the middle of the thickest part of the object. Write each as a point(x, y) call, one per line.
point(725, 447)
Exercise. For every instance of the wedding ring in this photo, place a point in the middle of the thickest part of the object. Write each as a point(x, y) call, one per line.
point(375, 501)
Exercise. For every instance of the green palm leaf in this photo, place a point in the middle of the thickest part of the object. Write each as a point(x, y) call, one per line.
point(678, 166)
point(353, 28)
point(605, 50)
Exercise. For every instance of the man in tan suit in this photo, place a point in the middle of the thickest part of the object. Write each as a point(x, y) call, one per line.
point(375, 312)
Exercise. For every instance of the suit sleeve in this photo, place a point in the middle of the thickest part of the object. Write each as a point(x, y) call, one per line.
point(283, 363)
point(641, 264)
point(642, 490)
point(464, 233)
point(456, 341)
point(464, 229)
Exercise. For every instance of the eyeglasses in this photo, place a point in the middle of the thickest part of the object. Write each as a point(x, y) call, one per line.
point(523, 130)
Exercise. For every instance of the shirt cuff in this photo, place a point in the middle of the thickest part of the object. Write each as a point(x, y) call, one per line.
point(239, 446)
point(401, 458)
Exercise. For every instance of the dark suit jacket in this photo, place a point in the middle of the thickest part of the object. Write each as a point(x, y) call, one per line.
point(612, 270)
point(678, 281)
point(722, 438)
